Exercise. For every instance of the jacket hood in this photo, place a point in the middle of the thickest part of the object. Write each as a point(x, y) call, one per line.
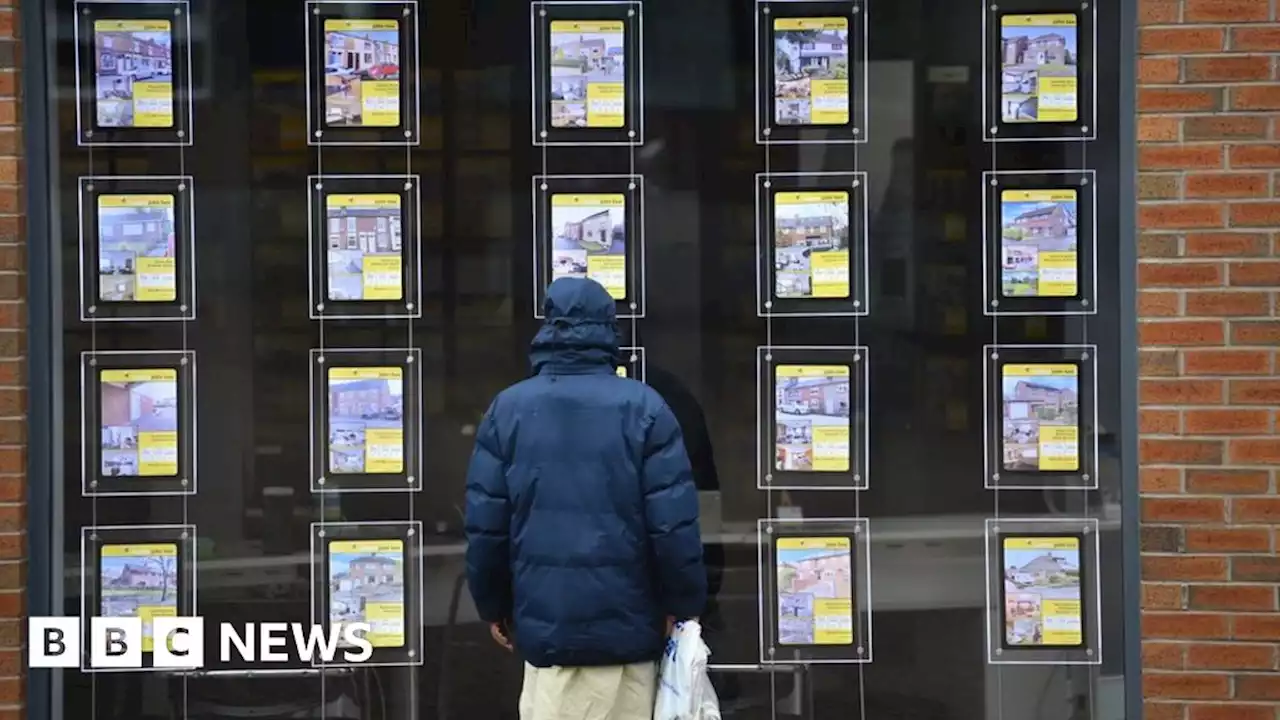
point(580, 334)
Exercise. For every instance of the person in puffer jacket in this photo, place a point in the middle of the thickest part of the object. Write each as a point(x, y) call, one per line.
point(582, 520)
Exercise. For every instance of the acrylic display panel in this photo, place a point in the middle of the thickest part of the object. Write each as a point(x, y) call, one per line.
point(632, 365)
point(1039, 66)
point(144, 571)
point(812, 417)
point(366, 249)
point(811, 244)
point(811, 72)
point(137, 249)
point(590, 226)
point(138, 428)
point(362, 72)
point(1040, 420)
point(1043, 591)
point(366, 415)
point(815, 589)
point(1040, 239)
point(370, 573)
point(133, 73)
point(588, 81)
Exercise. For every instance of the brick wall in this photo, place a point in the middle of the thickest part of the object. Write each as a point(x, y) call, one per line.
point(1209, 272)
point(13, 402)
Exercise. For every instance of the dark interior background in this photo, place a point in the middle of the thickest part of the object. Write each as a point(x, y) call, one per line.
point(925, 332)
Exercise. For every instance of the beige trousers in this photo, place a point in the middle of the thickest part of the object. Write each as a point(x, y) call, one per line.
point(613, 692)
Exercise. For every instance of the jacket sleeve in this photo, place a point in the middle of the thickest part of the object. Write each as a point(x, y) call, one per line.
point(671, 517)
point(488, 521)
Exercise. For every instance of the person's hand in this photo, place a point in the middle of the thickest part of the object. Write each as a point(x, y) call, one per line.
point(499, 634)
point(671, 623)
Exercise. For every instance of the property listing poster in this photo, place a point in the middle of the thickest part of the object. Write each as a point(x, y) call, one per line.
point(362, 73)
point(588, 82)
point(1039, 69)
point(1042, 602)
point(366, 585)
point(133, 73)
point(139, 425)
point(811, 71)
point(815, 591)
point(811, 244)
point(365, 250)
point(139, 581)
point(812, 418)
point(1038, 246)
point(590, 239)
point(1041, 417)
point(137, 260)
point(366, 420)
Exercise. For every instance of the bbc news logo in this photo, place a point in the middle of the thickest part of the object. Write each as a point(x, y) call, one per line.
point(178, 643)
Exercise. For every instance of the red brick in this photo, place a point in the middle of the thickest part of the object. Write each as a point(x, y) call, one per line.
point(1157, 363)
point(1154, 71)
point(1181, 332)
point(1228, 711)
point(1239, 68)
point(1255, 214)
point(1249, 598)
point(1258, 687)
point(1158, 12)
point(1159, 480)
point(1162, 655)
point(1256, 510)
point(1227, 540)
point(1226, 362)
point(1174, 568)
point(1255, 97)
point(1226, 11)
point(1225, 127)
point(1230, 656)
point(1254, 451)
point(1255, 38)
point(1256, 627)
point(1179, 452)
point(1228, 304)
point(1161, 129)
point(1157, 245)
point(1227, 422)
point(1178, 41)
point(1192, 510)
point(1160, 422)
point(1258, 273)
point(1255, 333)
point(1180, 392)
point(1265, 155)
point(1163, 711)
point(1256, 568)
point(1179, 157)
point(1159, 304)
point(1159, 187)
point(1180, 274)
point(1228, 482)
point(1232, 185)
point(1161, 596)
point(1178, 216)
point(1179, 99)
point(1185, 686)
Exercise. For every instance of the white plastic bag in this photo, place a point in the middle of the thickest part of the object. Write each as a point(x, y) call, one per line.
point(684, 690)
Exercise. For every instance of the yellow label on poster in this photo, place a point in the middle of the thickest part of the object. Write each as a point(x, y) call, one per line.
point(811, 23)
point(157, 453)
point(153, 104)
point(368, 547)
point(830, 274)
point(611, 272)
point(813, 371)
point(362, 201)
point(131, 26)
point(140, 550)
point(1059, 20)
point(587, 26)
point(1045, 369)
point(831, 448)
point(380, 103)
point(138, 376)
point(384, 450)
point(381, 277)
point(1058, 274)
point(135, 201)
point(830, 102)
point(588, 199)
point(386, 623)
point(157, 279)
point(621, 371)
point(361, 25)
point(148, 613)
point(605, 104)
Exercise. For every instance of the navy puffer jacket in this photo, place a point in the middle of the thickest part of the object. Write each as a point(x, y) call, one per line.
point(582, 515)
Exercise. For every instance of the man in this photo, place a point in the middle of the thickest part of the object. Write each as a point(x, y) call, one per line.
point(582, 520)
